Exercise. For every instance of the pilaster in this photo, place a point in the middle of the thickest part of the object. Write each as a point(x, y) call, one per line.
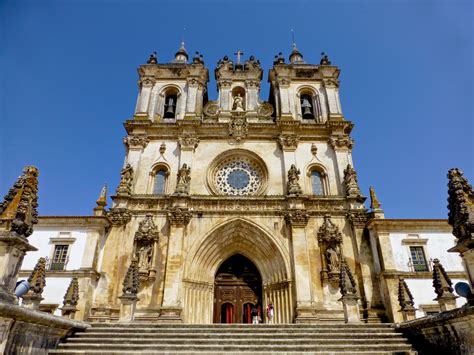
point(297, 220)
point(171, 309)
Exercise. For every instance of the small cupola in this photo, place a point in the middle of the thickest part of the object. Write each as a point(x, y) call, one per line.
point(181, 55)
point(296, 57)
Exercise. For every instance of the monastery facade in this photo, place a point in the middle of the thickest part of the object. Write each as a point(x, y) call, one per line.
point(228, 204)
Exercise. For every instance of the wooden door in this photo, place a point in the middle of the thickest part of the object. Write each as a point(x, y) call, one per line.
point(237, 289)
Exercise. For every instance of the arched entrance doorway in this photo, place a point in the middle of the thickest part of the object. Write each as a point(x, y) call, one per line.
point(237, 288)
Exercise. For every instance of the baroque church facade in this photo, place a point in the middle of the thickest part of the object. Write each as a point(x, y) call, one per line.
point(228, 204)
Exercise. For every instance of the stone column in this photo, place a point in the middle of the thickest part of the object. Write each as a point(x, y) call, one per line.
point(191, 97)
point(171, 309)
point(188, 144)
point(146, 85)
point(285, 106)
point(288, 143)
point(342, 145)
point(297, 219)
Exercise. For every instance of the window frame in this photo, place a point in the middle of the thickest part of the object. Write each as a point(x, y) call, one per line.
point(424, 257)
point(324, 180)
point(152, 179)
point(64, 239)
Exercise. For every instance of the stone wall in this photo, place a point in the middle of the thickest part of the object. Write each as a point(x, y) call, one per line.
point(25, 331)
point(445, 333)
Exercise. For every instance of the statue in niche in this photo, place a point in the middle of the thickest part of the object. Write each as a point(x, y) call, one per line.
point(184, 178)
point(332, 260)
point(294, 188)
point(238, 103)
point(126, 180)
point(144, 255)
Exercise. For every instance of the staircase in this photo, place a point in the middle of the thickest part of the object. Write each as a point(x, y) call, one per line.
point(325, 338)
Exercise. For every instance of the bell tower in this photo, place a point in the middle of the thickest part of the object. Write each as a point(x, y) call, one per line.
point(239, 86)
point(305, 92)
point(172, 91)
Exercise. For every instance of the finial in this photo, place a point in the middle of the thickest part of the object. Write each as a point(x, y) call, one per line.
point(293, 39)
point(18, 210)
point(374, 202)
point(324, 59)
point(102, 201)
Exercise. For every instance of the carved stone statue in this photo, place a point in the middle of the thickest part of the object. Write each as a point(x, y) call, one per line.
point(184, 179)
point(238, 103)
point(144, 255)
point(332, 260)
point(350, 182)
point(146, 237)
point(125, 186)
point(294, 188)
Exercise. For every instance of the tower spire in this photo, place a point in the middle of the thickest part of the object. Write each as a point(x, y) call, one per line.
point(181, 55)
point(295, 57)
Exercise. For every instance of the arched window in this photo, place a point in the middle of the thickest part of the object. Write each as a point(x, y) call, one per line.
point(159, 183)
point(317, 183)
point(171, 100)
point(307, 106)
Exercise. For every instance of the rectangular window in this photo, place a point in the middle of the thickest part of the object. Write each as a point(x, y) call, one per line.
point(59, 257)
point(418, 259)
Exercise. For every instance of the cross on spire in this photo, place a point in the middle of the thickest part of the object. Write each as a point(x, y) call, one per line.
point(238, 54)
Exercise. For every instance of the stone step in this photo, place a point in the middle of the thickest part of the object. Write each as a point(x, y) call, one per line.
point(253, 330)
point(154, 335)
point(339, 352)
point(255, 341)
point(126, 348)
point(239, 325)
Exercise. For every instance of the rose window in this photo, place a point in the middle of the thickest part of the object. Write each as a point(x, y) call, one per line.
point(238, 177)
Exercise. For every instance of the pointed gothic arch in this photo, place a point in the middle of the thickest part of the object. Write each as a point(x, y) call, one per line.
point(237, 236)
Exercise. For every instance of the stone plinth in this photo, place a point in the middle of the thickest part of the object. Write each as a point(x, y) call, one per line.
point(447, 302)
point(12, 250)
point(68, 312)
point(351, 308)
point(170, 315)
point(127, 308)
point(408, 314)
point(32, 301)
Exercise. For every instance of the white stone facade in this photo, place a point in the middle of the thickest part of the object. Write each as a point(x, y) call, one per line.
point(268, 182)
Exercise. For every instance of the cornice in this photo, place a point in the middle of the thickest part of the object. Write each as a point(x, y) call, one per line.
point(72, 221)
point(65, 273)
point(220, 130)
point(408, 225)
point(395, 274)
point(251, 205)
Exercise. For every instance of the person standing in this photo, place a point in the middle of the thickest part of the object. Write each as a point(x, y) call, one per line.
point(254, 314)
point(270, 313)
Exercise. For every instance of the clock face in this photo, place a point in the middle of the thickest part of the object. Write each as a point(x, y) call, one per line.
point(238, 177)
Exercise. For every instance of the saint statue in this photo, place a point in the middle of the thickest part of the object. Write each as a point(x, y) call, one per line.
point(144, 255)
point(238, 103)
point(184, 178)
point(294, 188)
point(332, 260)
point(126, 180)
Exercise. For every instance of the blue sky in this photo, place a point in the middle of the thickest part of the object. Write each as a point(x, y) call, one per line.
point(68, 82)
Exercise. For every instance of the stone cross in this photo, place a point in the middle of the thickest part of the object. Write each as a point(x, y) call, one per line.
point(238, 54)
